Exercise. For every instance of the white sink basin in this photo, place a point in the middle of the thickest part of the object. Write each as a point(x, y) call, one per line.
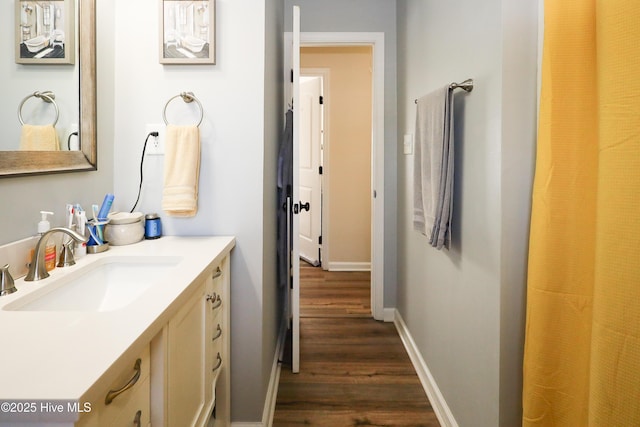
point(103, 286)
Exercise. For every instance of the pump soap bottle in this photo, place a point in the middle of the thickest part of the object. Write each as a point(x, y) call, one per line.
point(50, 249)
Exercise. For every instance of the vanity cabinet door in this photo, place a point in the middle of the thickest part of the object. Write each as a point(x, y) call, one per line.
point(197, 356)
point(186, 363)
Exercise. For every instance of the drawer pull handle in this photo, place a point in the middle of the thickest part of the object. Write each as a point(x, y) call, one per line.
point(115, 393)
point(215, 368)
point(137, 421)
point(215, 299)
point(217, 273)
point(217, 303)
point(219, 329)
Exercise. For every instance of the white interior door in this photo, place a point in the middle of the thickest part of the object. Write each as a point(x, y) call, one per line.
point(295, 226)
point(310, 162)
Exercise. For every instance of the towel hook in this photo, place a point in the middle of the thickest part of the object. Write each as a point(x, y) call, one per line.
point(46, 96)
point(187, 97)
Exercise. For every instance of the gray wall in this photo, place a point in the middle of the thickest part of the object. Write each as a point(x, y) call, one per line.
point(273, 296)
point(239, 136)
point(367, 16)
point(465, 307)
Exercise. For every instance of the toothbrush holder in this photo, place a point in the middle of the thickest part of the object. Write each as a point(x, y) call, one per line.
point(96, 232)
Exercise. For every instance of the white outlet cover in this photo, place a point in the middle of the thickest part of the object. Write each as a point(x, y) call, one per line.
point(155, 145)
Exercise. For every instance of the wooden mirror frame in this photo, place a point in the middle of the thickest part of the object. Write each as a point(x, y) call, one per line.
point(19, 163)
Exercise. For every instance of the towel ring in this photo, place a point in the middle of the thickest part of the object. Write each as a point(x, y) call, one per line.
point(187, 97)
point(46, 96)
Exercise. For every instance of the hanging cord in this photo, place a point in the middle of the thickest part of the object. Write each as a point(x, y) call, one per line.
point(144, 148)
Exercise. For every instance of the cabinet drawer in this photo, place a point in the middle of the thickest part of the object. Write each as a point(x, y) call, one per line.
point(135, 410)
point(128, 393)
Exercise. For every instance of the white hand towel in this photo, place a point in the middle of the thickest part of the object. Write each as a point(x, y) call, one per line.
point(181, 171)
point(433, 167)
point(39, 138)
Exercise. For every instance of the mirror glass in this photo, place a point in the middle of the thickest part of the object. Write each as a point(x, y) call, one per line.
point(48, 108)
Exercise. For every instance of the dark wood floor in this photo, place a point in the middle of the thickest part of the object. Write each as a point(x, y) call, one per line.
point(354, 371)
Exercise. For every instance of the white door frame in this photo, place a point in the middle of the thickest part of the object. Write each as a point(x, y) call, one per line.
point(376, 41)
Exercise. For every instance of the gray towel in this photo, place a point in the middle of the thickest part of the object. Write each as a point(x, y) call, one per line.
point(285, 188)
point(433, 167)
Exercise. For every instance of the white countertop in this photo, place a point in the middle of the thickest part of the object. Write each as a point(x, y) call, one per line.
point(62, 355)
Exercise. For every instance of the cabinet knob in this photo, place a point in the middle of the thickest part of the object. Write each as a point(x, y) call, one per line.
point(217, 273)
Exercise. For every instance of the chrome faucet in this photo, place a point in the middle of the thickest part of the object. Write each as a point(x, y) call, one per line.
point(37, 269)
point(7, 286)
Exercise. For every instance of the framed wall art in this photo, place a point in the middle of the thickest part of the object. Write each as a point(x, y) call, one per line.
point(45, 32)
point(187, 32)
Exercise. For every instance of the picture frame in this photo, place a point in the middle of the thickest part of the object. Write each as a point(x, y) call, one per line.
point(45, 32)
point(187, 32)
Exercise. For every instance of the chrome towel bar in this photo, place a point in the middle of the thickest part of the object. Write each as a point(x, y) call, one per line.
point(466, 85)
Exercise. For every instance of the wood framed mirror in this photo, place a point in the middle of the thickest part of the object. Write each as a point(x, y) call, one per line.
point(19, 163)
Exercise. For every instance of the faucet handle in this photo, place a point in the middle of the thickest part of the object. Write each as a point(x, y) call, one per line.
point(66, 255)
point(7, 286)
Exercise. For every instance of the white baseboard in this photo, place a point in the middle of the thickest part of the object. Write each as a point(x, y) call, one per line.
point(272, 390)
point(349, 266)
point(389, 315)
point(438, 403)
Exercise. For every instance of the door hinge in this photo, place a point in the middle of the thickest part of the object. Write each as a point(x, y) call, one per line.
point(319, 240)
point(320, 170)
point(292, 75)
point(321, 100)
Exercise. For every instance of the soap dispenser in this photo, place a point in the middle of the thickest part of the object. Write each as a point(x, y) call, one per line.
point(50, 249)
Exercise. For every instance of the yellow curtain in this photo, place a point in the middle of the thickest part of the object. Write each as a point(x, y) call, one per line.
point(582, 348)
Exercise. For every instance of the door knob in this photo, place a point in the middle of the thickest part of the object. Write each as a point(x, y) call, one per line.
point(299, 207)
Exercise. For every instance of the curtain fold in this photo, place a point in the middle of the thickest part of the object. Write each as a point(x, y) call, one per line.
point(582, 347)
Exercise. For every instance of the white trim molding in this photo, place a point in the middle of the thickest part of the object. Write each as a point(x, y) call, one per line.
point(349, 266)
point(274, 380)
point(439, 405)
point(376, 40)
point(389, 315)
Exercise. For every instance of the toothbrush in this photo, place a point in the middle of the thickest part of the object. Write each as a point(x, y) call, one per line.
point(69, 216)
point(95, 237)
point(95, 208)
point(82, 222)
point(69, 219)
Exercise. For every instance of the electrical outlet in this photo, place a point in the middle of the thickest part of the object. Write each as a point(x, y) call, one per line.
point(155, 144)
point(73, 137)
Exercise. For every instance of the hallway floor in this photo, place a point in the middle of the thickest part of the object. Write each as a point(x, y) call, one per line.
point(354, 371)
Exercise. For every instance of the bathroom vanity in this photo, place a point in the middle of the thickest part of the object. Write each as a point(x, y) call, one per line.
point(137, 335)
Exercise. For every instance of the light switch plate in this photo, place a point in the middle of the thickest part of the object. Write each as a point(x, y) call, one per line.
point(408, 144)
